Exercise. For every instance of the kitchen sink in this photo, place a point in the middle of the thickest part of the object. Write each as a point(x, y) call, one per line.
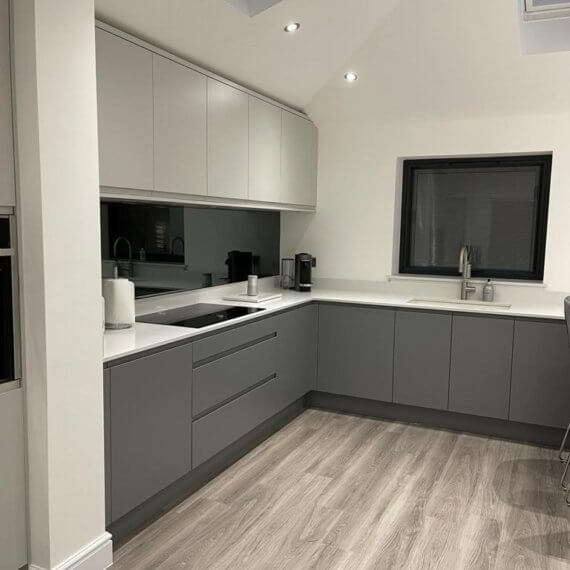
point(446, 303)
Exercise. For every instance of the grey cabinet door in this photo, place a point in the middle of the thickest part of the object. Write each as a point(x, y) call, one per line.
point(150, 423)
point(299, 156)
point(179, 128)
point(264, 150)
point(355, 355)
point(481, 357)
point(228, 141)
point(297, 362)
point(125, 113)
point(421, 359)
point(7, 191)
point(540, 386)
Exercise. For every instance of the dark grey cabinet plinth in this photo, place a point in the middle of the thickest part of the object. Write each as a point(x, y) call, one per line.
point(297, 362)
point(540, 391)
point(481, 357)
point(421, 359)
point(150, 423)
point(356, 350)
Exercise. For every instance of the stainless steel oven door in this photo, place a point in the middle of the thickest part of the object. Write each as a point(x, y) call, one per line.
point(10, 356)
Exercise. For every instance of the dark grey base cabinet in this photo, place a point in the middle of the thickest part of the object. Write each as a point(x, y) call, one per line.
point(540, 391)
point(297, 361)
point(356, 351)
point(421, 359)
point(149, 425)
point(481, 359)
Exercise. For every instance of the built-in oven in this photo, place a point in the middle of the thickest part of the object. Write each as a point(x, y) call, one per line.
point(9, 310)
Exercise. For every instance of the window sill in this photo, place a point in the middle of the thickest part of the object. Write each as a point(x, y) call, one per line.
point(477, 280)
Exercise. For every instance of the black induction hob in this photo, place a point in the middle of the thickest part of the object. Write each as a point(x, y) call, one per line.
point(198, 316)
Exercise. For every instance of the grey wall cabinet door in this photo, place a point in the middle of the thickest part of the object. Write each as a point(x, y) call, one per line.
point(355, 353)
point(297, 363)
point(481, 357)
point(421, 359)
point(7, 188)
point(264, 151)
point(180, 113)
point(540, 387)
point(150, 422)
point(125, 113)
point(299, 146)
point(228, 136)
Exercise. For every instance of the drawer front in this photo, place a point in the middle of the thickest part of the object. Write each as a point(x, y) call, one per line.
point(231, 340)
point(227, 424)
point(220, 380)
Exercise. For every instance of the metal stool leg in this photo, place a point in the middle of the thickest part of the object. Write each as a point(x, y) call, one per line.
point(561, 456)
point(563, 483)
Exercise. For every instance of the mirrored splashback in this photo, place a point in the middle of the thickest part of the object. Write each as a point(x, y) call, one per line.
point(166, 248)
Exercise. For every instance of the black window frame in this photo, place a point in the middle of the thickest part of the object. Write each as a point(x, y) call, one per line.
point(544, 161)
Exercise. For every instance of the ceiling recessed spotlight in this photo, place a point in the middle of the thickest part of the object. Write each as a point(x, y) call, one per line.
point(350, 76)
point(292, 27)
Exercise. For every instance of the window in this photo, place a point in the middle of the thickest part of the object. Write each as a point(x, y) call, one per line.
point(498, 206)
point(542, 9)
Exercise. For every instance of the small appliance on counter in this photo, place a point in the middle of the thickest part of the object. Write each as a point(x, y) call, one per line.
point(119, 296)
point(304, 263)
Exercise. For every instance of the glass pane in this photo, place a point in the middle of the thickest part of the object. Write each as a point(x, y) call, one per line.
point(4, 233)
point(492, 209)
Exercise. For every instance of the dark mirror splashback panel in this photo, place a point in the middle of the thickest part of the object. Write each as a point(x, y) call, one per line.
point(165, 248)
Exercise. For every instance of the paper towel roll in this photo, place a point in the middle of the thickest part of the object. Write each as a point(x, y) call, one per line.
point(119, 295)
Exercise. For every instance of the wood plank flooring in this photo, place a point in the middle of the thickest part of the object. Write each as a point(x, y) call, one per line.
point(337, 491)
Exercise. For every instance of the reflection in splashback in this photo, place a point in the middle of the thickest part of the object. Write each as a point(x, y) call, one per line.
point(164, 248)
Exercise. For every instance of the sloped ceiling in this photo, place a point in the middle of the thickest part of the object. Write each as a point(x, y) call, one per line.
point(447, 58)
point(255, 51)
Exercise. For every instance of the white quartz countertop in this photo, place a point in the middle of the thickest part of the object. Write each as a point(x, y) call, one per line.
point(143, 336)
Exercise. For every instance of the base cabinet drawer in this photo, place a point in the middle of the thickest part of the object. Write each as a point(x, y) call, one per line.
point(540, 386)
point(150, 428)
point(220, 428)
point(421, 359)
point(217, 381)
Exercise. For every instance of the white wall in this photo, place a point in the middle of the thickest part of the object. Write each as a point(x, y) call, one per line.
point(438, 78)
point(58, 209)
point(355, 232)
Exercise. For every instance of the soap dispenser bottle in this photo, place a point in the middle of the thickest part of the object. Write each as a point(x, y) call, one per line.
point(488, 291)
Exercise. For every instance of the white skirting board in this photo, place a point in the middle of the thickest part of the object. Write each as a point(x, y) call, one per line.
point(97, 555)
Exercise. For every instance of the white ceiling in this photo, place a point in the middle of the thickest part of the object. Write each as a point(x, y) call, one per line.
point(447, 58)
point(255, 51)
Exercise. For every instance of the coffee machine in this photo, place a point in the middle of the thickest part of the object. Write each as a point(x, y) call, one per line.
point(304, 263)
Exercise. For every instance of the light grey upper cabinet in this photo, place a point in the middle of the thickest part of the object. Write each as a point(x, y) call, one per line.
point(7, 187)
point(540, 386)
point(264, 151)
point(299, 145)
point(228, 141)
point(481, 358)
point(355, 354)
point(125, 113)
point(180, 118)
point(421, 359)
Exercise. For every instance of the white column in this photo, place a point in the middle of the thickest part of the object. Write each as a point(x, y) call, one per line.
point(58, 214)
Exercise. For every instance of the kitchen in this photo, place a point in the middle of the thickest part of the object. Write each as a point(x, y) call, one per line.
point(347, 243)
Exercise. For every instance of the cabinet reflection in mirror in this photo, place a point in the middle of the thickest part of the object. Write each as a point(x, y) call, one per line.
point(166, 248)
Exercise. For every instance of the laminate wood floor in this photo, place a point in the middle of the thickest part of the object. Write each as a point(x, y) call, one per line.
point(336, 491)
